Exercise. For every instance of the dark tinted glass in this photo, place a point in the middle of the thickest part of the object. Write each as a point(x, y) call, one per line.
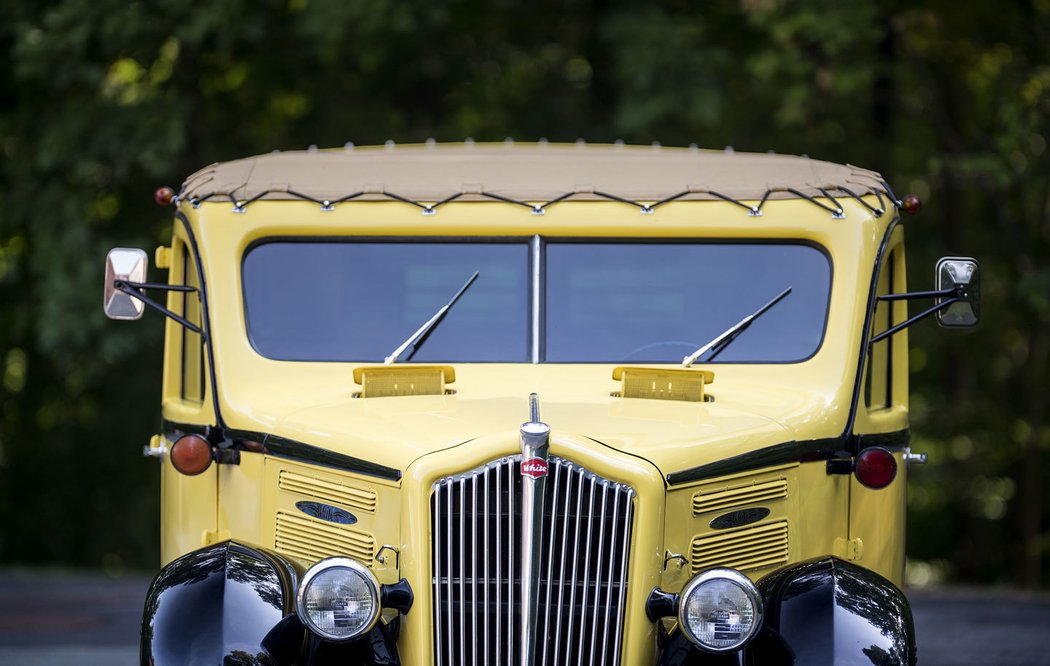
point(343, 301)
point(659, 302)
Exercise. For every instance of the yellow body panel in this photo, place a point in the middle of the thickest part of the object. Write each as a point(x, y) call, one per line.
point(878, 518)
point(631, 440)
point(188, 510)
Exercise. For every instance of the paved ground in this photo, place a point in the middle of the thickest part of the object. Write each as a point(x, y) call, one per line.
point(960, 627)
point(48, 618)
point(69, 619)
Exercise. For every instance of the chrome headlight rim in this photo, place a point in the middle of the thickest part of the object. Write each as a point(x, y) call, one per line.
point(736, 578)
point(327, 564)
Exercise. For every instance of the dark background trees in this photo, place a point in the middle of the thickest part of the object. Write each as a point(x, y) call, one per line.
point(103, 100)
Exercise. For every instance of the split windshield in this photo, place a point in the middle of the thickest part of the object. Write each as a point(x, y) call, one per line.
point(599, 302)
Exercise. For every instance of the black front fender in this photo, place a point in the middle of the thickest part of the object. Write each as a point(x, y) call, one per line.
point(833, 612)
point(820, 612)
point(224, 604)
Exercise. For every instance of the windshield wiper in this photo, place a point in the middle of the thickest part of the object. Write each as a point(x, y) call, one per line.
point(731, 333)
point(417, 339)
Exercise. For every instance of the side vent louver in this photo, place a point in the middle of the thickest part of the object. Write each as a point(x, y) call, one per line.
point(752, 547)
point(723, 498)
point(311, 540)
point(326, 491)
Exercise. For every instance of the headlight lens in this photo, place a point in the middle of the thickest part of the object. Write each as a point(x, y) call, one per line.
point(720, 610)
point(339, 599)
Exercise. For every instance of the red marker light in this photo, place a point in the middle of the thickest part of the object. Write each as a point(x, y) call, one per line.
point(875, 467)
point(164, 196)
point(191, 454)
point(911, 204)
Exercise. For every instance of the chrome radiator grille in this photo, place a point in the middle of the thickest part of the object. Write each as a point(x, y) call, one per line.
point(582, 578)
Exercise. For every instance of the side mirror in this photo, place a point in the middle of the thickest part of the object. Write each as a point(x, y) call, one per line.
point(962, 274)
point(123, 265)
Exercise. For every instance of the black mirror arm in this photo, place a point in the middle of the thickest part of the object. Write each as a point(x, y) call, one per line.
point(137, 290)
point(159, 286)
point(922, 315)
point(957, 290)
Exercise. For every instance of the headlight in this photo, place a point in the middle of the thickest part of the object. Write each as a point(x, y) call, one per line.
point(720, 610)
point(338, 599)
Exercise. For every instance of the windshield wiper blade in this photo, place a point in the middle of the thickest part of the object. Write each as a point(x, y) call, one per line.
point(417, 339)
point(731, 333)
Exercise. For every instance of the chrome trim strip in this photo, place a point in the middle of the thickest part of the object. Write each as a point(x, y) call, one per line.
point(535, 446)
point(534, 247)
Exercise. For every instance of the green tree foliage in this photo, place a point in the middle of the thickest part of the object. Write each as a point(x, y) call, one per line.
point(102, 101)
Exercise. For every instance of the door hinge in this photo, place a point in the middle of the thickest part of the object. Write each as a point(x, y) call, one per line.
point(156, 448)
point(162, 256)
point(849, 549)
point(208, 537)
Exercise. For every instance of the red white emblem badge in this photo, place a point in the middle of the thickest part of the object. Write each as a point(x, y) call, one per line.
point(534, 467)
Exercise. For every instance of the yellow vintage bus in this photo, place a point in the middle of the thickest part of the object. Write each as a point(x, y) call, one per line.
point(533, 404)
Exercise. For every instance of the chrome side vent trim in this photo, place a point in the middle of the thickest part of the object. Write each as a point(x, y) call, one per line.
point(583, 539)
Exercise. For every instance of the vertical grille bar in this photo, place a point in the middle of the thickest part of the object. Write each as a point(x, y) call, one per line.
point(584, 541)
point(575, 559)
point(462, 574)
point(559, 622)
point(439, 518)
point(486, 556)
point(448, 574)
point(474, 570)
point(623, 575)
point(609, 587)
point(586, 570)
point(499, 567)
point(550, 567)
point(597, 578)
point(511, 562)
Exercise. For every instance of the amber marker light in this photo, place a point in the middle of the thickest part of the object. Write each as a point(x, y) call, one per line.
point(875, 467)
point(191, 454)
point(911, 204)
point(164, 196)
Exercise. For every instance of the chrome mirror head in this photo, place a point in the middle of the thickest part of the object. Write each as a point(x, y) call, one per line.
point(123, 265)
point(964, 275)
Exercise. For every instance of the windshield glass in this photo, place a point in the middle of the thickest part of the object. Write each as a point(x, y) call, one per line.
point(660, 302)
point(609, 302)
point(353, 301)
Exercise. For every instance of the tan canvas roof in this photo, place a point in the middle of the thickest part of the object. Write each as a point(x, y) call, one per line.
point(535, 173)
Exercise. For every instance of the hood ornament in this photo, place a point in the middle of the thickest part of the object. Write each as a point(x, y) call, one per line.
point(535, 448)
